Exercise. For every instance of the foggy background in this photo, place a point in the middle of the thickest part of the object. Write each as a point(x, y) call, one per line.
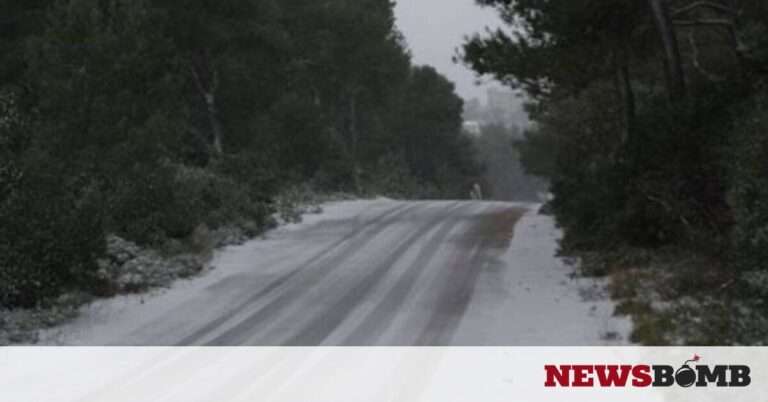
point(493, 114)
point(435, 28)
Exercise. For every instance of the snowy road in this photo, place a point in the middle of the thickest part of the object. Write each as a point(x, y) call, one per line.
point(373, 273)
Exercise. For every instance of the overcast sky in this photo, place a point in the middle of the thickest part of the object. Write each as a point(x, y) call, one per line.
point(435, 28)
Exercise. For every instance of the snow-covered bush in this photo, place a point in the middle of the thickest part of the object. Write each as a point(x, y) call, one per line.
point(295, 201)
point(749, 310)
point(168, 201)
point(128, 268)
point(222, 200)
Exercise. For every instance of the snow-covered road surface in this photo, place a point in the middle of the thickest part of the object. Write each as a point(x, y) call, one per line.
point(376, 272)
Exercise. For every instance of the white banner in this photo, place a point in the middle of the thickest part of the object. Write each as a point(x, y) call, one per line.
point(382, 374)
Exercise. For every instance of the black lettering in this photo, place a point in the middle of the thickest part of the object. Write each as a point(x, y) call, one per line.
point(707, 375)
point(663, 376)
point(740, 376)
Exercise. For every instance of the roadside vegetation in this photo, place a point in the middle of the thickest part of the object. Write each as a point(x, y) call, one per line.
point(650, 120)
point(162, 128)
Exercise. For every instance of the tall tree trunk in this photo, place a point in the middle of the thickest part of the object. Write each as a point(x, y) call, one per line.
point(734, 39)
point(628, 99)
point(626, 94)
point(216, 128)
point(354, 138)
point(672, 60)
point(206, 81)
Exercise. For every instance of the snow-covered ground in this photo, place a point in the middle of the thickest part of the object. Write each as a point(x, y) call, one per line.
point(377, 272)
point(538, 301)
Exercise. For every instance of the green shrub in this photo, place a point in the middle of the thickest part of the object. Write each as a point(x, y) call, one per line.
point(749, 187)
point(392, 177)
point(664, 185)
point(147, 207)
point(294, 201)
point(50, 229)
point(50, 238)
point(222, 200)
point(153, 204)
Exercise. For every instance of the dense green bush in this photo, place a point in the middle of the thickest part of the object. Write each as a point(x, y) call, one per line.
point(223, 200)
point(50, 230)
point(153, 204)
point(583, 165)
point(146, 206)
point(50, 237)
point(749, 187)
point(665, 184)
point(393, 178)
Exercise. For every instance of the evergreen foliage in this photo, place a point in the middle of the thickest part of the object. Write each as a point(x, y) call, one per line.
point(147, 118)
point(649, 120)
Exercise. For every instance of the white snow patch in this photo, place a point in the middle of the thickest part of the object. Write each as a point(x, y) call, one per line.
point(535, 298)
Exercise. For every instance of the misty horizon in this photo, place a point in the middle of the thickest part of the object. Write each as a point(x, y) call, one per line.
point(433, 32)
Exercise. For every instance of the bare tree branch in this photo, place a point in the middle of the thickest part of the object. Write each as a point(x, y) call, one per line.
point(215, 85)
point(196, 79)
point(703, 4)
point(704, 22)
point(672, 61)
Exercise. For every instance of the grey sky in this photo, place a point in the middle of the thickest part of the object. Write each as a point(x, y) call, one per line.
point(435, 28)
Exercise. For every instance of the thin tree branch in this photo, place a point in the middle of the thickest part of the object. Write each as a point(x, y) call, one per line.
point(703, 4)
point(704, 22)
point(196, 80)
point(215, 85)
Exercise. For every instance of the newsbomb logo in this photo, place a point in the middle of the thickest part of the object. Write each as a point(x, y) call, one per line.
point(646, 375)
